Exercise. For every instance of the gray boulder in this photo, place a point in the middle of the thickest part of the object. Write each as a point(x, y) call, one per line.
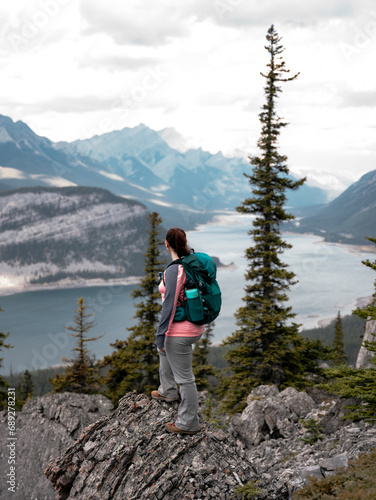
point(298, 403)
point(45, 428)
point(270, 414)
point(330, 465)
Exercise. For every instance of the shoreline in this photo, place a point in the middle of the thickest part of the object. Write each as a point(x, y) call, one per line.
point(220, 219)
point(16, 288)
point(350, 247)
point(69, 284)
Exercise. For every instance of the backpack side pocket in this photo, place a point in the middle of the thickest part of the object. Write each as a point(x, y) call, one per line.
point(194, 305)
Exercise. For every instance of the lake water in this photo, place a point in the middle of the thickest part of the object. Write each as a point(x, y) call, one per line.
point(331, 278)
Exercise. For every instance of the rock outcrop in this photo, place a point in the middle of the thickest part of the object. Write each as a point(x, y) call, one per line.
point(289, 435)
point(44, 429)
point(364, 355)
point(130, 455)
point(91, 452)
point(279, 440)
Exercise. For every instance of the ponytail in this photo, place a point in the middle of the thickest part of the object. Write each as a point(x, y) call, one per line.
point(177, 239)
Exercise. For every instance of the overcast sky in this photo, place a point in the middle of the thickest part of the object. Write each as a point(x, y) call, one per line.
point(75, 68)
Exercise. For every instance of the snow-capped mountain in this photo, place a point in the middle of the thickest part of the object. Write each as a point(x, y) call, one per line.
point(175, 140)
point(184, 186)
point(70, 233)
point(27, 159)
point(195, 179)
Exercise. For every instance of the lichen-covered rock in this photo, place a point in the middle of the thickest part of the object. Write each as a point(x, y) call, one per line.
point(45, 427)
point(130, 455)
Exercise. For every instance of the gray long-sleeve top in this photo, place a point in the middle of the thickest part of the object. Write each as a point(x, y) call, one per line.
point(170, 281)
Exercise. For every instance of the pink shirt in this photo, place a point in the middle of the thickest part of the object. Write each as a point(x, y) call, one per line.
point(180, 328)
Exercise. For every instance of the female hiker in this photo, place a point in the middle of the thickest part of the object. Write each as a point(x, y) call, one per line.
point(174, 341)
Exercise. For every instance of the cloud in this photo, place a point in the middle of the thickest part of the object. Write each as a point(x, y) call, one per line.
point(68, 104)
point(53, 181)
point(28, 26)
point(92, 62)
point(137, 22)
point(265, 12)
point(322, 178)
point(11, 173)
point(114, 177)
point(219, 99)
point(358, 99)
point(116, 62)
point(147, 23)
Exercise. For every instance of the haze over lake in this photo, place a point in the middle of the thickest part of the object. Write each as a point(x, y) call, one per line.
point(331, 278)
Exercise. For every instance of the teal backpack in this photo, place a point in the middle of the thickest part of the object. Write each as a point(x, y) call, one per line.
point(202, 297)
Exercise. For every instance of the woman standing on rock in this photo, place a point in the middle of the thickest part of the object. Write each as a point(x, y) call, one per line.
point(175, 340)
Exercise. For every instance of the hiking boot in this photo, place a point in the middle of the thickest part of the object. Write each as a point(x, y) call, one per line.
point(158, 397)
point(172, 428)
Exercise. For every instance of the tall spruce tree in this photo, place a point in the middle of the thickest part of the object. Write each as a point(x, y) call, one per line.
point(135, 361)
point(3, 383)
point(339, 354)
point(82, 372)
point(267, 348)
point(202, 370)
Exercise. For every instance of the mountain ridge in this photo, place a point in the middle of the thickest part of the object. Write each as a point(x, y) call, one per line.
point(185, 188)
point(51, 234)
point(350, 218)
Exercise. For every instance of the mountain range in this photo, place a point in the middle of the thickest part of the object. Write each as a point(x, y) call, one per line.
point(348, 219)
point(186, 188)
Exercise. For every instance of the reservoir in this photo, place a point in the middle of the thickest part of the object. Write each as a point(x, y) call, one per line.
point(331, 278)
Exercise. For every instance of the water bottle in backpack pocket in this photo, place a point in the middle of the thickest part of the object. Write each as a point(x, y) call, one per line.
point(194, 305)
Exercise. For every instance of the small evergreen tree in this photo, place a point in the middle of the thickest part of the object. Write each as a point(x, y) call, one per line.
point(201, 369)
point(339, 355)
point(3, 383)
point(267, 348)
point(135, 361)
point(26, 387)
point(82, 373)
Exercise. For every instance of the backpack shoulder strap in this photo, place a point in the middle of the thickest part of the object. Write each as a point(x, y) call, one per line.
point(186, 262)
point(177, 261)
point(192, 267)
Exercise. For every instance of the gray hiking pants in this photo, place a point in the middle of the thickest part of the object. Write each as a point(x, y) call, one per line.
point(175, 367)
